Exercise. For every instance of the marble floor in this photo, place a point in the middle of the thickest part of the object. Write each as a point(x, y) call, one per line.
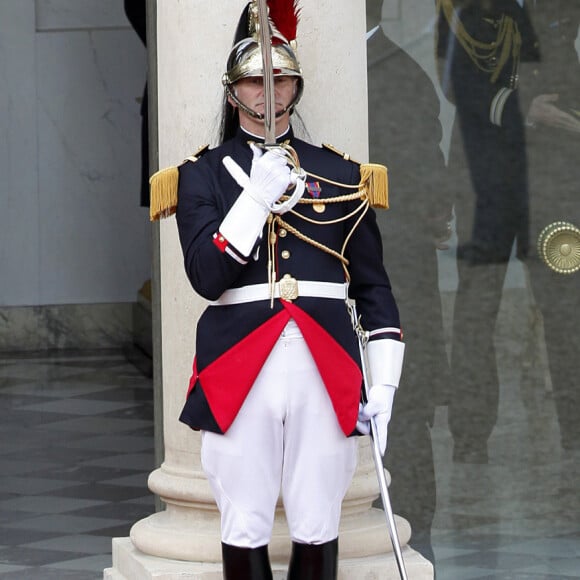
point(516, 517)
point(76, 447)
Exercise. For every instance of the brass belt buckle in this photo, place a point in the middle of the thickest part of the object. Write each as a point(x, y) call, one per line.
point(288, 288)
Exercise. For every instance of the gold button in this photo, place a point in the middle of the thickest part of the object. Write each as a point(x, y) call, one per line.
point(285, 254)
point(282, 233)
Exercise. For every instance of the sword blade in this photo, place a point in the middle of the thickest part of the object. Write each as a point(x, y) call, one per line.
point(377, 457)
point(265, 39)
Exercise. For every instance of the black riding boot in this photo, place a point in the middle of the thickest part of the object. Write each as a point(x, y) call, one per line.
point(314, 562)
point(246, 563)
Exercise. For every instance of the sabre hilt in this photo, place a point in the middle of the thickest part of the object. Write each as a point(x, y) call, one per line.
point(297, 176)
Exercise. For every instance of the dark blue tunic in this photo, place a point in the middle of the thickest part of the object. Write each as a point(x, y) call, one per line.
point(206, 193)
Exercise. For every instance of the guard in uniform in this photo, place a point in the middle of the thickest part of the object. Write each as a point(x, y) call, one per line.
point(276, 383)
point(480, 46)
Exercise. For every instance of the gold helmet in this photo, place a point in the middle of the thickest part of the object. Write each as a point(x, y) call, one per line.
point(245, 59)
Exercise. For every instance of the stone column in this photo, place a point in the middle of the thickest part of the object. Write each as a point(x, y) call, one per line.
point(193, 40)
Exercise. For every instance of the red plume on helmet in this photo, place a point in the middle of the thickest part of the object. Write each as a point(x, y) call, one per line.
point(285, 15)
point(245, 59)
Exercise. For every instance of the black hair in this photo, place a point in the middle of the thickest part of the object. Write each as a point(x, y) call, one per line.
point(230, 120)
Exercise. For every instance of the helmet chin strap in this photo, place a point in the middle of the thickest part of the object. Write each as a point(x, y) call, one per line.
point(251, 112)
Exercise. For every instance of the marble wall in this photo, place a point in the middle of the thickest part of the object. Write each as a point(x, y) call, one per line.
point(67, 326)
point(72, 74)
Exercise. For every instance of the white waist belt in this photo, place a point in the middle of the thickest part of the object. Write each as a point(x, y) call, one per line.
point(257, 292)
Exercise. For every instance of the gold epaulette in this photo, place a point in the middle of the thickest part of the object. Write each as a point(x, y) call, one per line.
point(338, 152)
point(163, 188)
point(374, 179)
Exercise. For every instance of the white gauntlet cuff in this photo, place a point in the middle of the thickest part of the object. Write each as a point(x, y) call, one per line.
point(498, 104)
point(244, 222)
point(385, 358)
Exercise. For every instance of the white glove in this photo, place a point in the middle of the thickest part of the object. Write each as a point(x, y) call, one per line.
point(269, 176)
point(379, 406)
point(268, 180)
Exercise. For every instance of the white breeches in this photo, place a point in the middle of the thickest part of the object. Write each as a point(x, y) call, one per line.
point(286, 436)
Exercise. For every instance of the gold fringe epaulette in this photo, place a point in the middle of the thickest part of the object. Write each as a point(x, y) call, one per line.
point(374, 179)
point(163, 189)
point(163, 193)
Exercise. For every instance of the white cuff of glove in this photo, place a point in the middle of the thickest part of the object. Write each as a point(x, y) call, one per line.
point(243, 224)
point(385, 357)
point(498, 105)
point(379, 407)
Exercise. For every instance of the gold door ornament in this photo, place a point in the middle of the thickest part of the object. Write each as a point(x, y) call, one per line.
point(559, 247)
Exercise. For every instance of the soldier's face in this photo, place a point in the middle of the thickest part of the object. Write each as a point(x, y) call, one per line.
point(250, 91)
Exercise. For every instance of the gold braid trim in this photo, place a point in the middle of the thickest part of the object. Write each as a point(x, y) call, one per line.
point(337, 199)
point(305, 238)
point(362, 209)
point(337, 183)
point(374, 184)
point(365, 208)
point(329, 222)
point(484, 54)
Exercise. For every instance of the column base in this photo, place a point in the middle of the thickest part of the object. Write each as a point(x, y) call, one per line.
point(131, 564)
point(182, 533)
